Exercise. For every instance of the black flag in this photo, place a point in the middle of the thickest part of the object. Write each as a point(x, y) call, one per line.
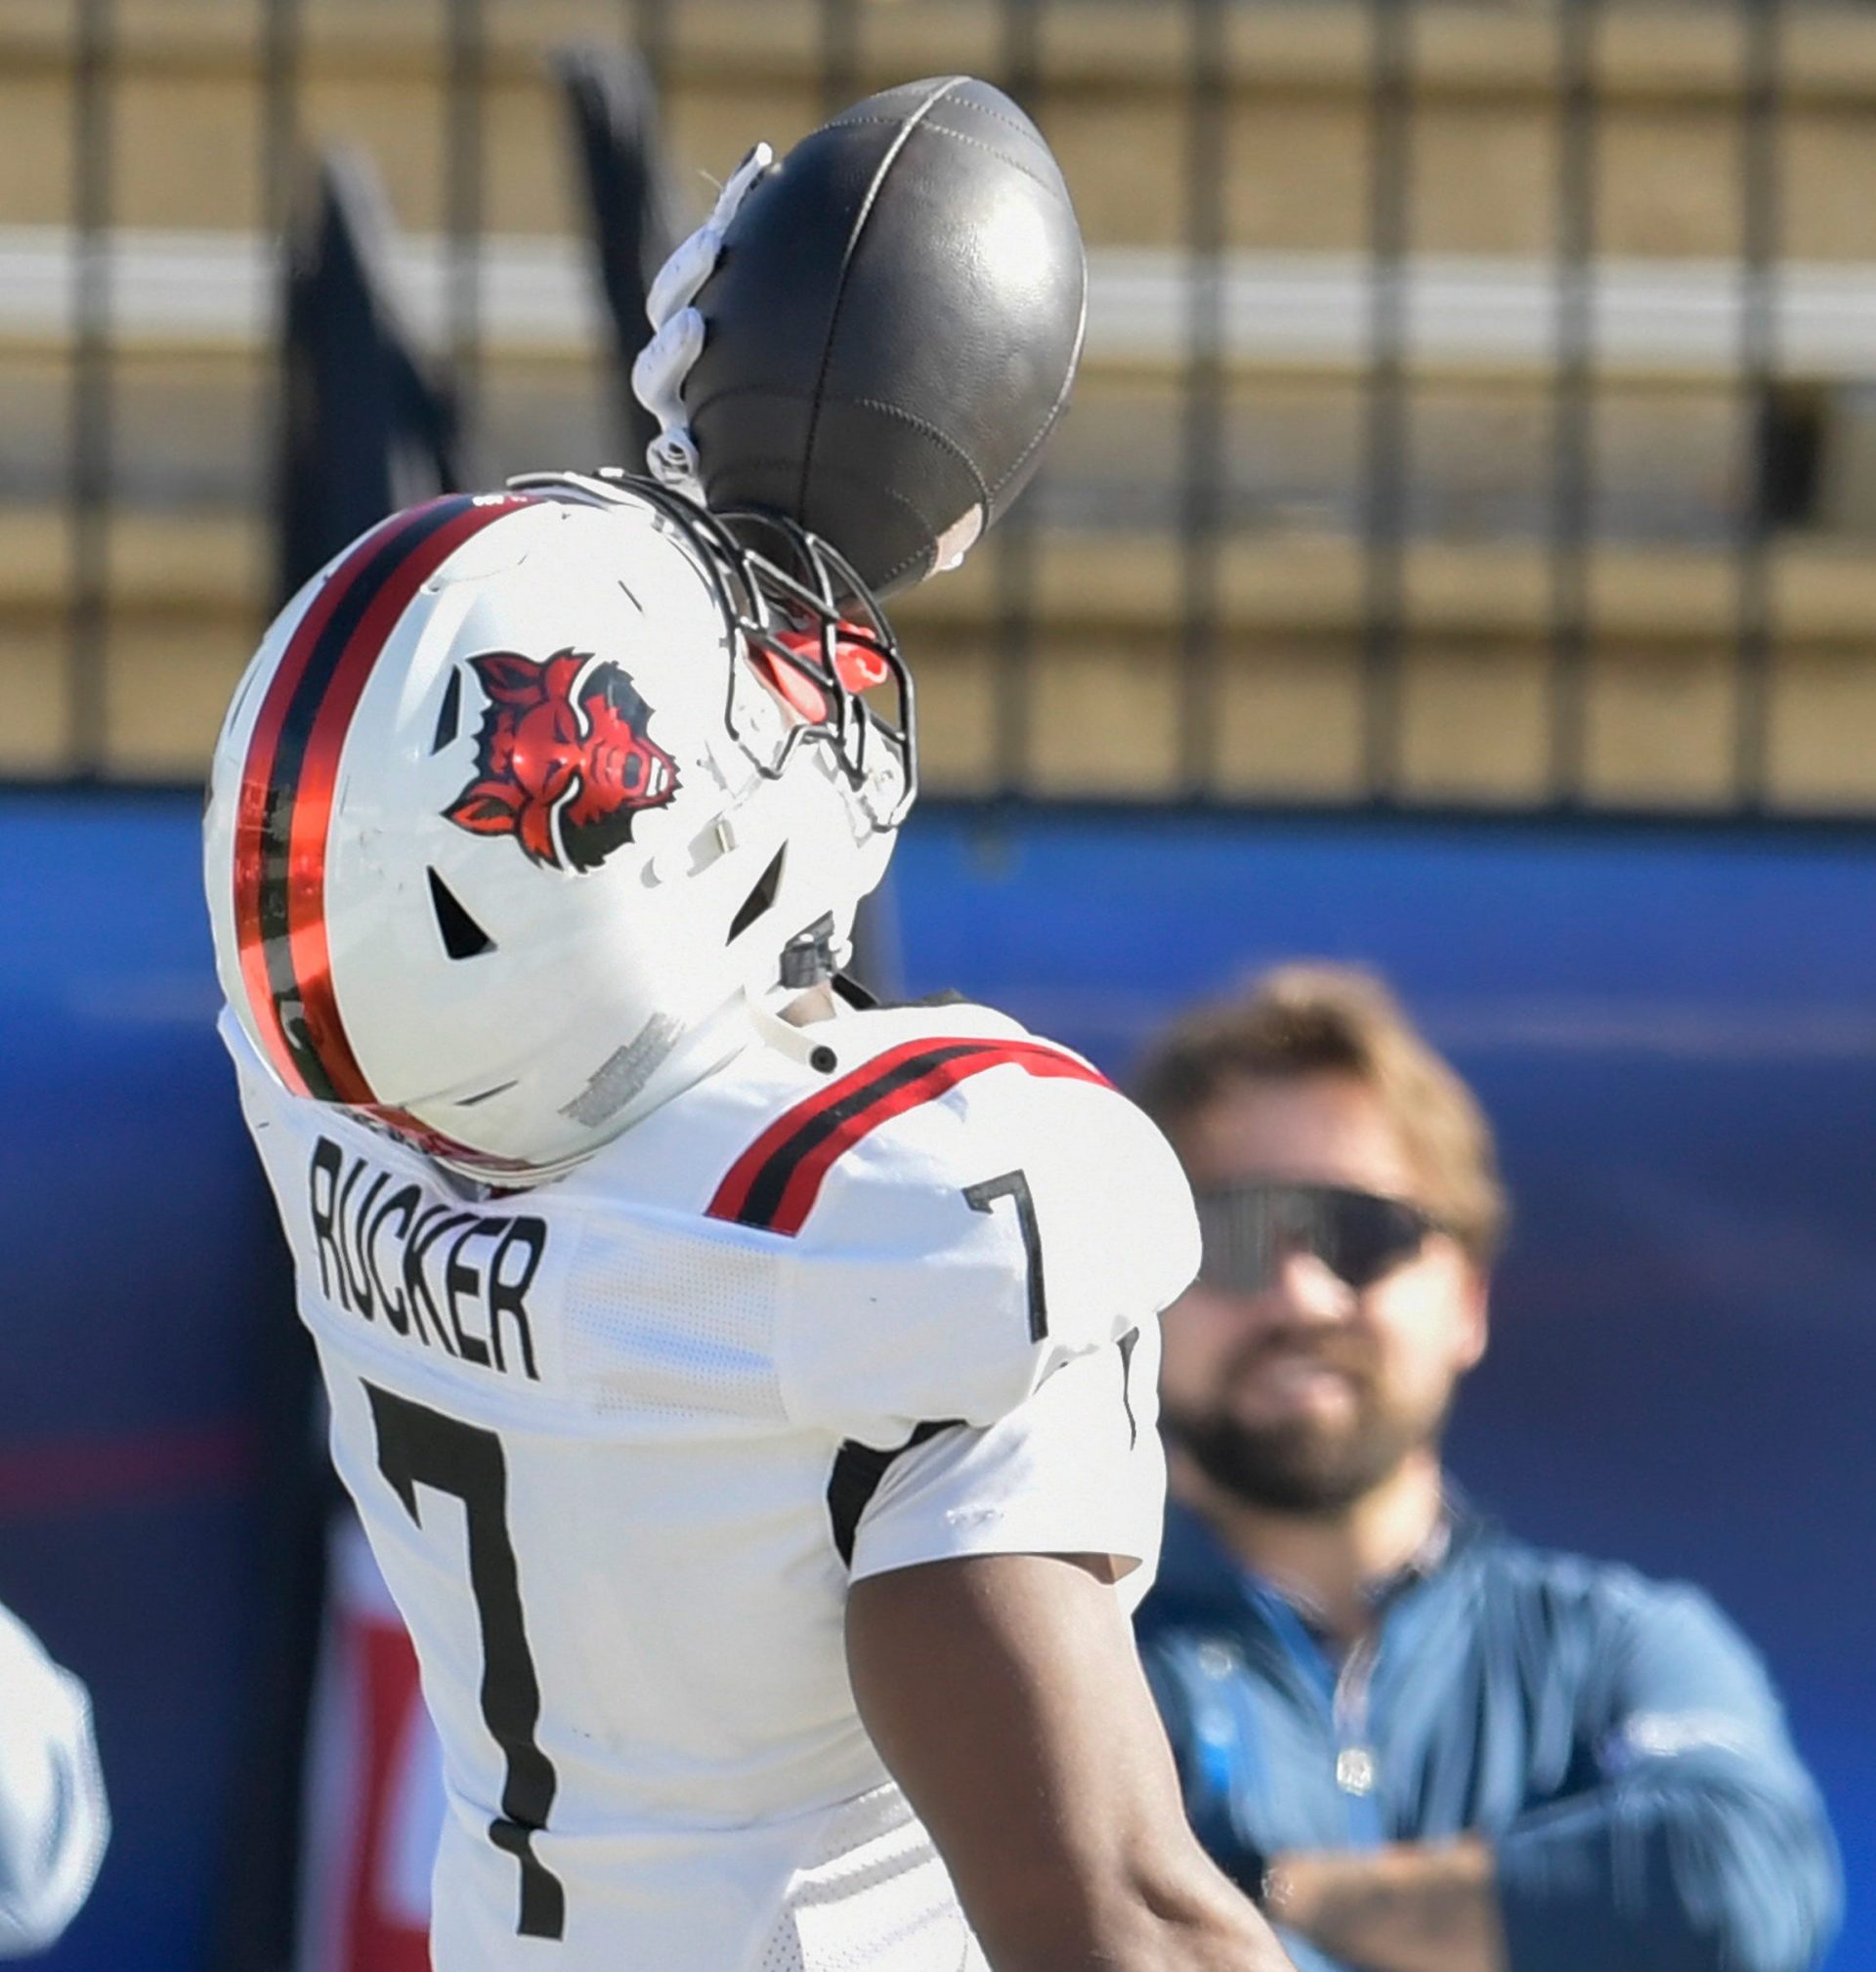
point(628, 201)
point(367, 431)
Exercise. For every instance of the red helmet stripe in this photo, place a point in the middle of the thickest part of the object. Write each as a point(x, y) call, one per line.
point(775, 1183)
point(284, 824)
point(310, 950)
point(257, 792)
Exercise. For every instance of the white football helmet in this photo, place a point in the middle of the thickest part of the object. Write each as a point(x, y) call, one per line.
point(527, 799)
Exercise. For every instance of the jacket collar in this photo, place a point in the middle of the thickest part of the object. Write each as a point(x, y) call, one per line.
point(1200, 1578)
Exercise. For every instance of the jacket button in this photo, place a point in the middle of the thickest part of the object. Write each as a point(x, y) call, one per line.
point(1355, 1770)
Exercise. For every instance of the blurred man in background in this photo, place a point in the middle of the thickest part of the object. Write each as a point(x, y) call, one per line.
point(1422, 1745)
point(53, 1820)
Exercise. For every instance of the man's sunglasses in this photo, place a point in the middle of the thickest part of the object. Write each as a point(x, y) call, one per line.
point(1359, 1237)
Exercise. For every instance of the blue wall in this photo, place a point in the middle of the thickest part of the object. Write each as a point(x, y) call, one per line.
point(1675, 1033)
point(140, 1270)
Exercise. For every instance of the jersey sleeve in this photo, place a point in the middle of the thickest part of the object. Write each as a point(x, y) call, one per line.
point(962, 1254)
point(1077, 1469)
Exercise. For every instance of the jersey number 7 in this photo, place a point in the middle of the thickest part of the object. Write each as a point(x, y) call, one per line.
point(418, 1446)
point(1014, 1185)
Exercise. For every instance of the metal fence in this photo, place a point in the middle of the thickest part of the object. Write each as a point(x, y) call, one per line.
point(1555, 555)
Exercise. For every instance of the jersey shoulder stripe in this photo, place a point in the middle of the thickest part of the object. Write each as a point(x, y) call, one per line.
point(774, 1185)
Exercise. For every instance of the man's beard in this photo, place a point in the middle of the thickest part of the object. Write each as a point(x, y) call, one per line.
point(1306, 1466)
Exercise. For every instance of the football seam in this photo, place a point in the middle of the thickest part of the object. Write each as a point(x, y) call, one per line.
point(981, 109)
point(856, 478)
point(885, 164)
point(919, 424)
point(932, 432)
point(919, 555)
point(1056, 184)
point(1031, 131)
point(1049, 423)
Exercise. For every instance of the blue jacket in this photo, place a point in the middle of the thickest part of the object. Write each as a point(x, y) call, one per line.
point(1615, 1738)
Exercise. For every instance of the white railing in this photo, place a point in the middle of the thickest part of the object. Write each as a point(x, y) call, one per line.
point(1643, 316)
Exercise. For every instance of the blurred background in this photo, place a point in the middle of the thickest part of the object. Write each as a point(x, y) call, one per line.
point(1458, 559)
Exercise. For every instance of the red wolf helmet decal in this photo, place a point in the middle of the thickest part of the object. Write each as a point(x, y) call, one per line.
point(564, 778)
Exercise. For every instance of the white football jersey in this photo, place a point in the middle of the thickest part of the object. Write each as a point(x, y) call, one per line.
point(881, 1291)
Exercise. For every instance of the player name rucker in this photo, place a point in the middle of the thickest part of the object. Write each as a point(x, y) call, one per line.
point(447, 1276)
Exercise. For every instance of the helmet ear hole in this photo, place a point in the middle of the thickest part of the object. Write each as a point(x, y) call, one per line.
point(462, 936)
point(759, 898)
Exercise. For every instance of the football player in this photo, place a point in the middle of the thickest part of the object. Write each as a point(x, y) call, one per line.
point(748, 1392)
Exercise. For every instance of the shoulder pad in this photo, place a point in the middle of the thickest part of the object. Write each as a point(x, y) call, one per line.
point(967, 1211)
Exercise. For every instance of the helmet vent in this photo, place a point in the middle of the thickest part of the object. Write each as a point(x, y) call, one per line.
point(462, 936)
point(450, 714)
point(760, 898)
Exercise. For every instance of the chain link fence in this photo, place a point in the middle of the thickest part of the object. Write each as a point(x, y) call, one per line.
point(1477, 409)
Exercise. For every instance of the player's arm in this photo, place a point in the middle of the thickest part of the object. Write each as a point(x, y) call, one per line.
point(1703, 1846)
point(1410, 1907)
point(1004, 1694)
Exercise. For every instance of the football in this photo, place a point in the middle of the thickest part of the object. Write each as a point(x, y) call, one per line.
point(892, 328)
